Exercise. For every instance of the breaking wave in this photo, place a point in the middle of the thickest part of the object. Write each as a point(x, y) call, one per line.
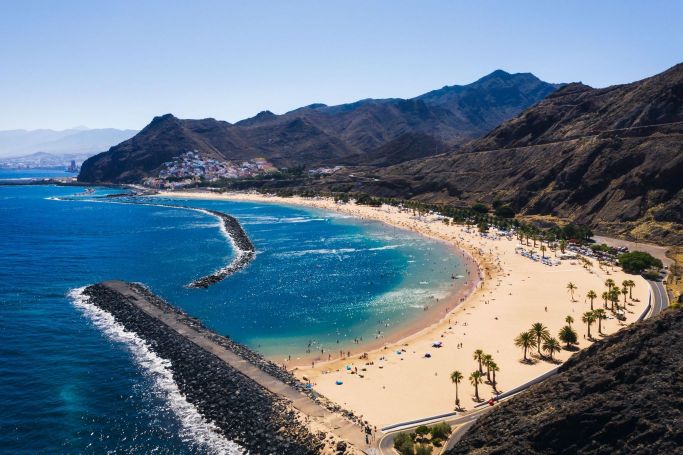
point(195, 429)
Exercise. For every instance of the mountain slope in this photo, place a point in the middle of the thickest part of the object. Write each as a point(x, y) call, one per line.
point(621, 395)
point(319, 135)
point(612, 158)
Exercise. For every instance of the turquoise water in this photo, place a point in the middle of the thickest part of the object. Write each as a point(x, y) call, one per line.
point(70, 384)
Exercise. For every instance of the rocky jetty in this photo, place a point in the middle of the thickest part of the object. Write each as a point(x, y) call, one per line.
point(243, 411)
point(245, 251)
point(622, 395)
point(247, 354)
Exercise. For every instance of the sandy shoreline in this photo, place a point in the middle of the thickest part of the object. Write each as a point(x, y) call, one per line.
point(396, 382)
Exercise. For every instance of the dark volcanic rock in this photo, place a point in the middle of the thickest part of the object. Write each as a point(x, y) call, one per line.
point(245, 252)
point(622, 395)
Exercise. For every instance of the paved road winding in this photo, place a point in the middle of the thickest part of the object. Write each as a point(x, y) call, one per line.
point(660, 299)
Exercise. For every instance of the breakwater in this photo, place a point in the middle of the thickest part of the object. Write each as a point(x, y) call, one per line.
point(250, 400)
point(245, 251)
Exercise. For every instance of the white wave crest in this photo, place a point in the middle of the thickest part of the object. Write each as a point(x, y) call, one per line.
point(195, 429)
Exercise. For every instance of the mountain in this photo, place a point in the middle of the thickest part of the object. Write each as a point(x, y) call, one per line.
point(621, 395)
point(611, 158)
point(320, 135)
point(15, 143)
point(43, 160)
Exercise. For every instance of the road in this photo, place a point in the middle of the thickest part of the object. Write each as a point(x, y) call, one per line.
point(660, 299)
point(460, 423)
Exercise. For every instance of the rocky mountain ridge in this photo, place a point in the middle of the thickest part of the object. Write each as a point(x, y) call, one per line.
point(611, 158)
point(319, 135)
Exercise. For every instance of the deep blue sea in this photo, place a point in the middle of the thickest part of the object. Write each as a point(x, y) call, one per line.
point(26, 174)
point(72, 382)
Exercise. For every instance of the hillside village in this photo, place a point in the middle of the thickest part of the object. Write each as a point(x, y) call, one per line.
point(190, 168)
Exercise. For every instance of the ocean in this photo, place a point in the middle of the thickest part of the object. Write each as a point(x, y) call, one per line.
point(73, 381)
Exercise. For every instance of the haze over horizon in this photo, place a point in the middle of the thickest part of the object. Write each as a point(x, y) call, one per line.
point(118, 65)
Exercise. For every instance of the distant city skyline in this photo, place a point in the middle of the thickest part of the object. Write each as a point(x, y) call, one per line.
point(119, 64)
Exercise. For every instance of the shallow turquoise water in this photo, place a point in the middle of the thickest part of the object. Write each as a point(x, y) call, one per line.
point(67, 387)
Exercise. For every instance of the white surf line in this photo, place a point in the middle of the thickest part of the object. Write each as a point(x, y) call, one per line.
point(226, 270)
point(195, 429)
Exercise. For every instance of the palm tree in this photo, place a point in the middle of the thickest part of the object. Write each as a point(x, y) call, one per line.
point(600, 315)
point(486, 360)
point(624, 291)
point(494, 367)
point(543, 249)
point(605, 297)
point(588, 318)
point(475, 380)
point(478, 355)
point(567, 335)
point(571, 287)
point(609, 282)
point(456, 377)
point(540, 332)
point(563, 245)
point(630, 284)
point(551, 346)
point(591, 295)
point(614, 298)
point(525, 340)
point(569, 320)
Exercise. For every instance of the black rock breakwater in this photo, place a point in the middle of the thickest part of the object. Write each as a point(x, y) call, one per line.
point(245, 251)
point(241, 409)
point(247, 354)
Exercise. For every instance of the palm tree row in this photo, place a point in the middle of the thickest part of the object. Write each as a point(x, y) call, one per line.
point(537, 337)
point(476, 377)
point(461, 215)
point(589, 318)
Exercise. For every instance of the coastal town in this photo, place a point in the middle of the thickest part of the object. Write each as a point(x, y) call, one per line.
point(190, 168)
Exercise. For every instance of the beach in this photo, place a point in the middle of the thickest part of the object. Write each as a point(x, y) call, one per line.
point(397, 382)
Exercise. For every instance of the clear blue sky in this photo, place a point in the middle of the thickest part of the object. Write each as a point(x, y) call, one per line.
point(119, 63)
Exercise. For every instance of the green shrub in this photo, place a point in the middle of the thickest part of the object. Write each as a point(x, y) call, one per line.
point(422, 430)
point(480, 208)
point(423, 450)
point(404, 444)
point(505, 211)
point(638, 261)
point(440, 430)
point(568, 335)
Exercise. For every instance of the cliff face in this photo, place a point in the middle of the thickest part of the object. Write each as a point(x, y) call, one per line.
point(622, 395)
point(611, 158)
point(351, 134)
